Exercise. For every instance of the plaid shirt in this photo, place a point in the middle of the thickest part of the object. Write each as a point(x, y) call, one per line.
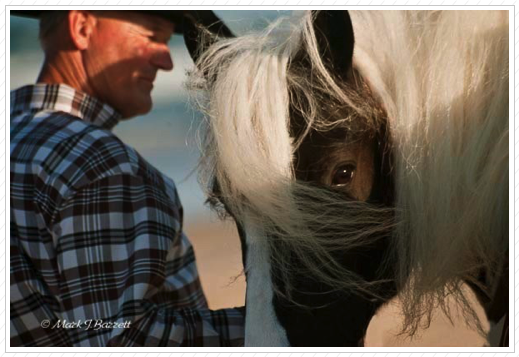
point(98, 257)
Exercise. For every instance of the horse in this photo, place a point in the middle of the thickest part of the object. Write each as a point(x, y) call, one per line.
point(362, 155)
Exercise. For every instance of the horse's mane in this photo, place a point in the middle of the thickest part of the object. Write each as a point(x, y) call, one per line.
point(441, 77)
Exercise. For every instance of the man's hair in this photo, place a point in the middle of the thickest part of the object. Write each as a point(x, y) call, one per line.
point(49, 22)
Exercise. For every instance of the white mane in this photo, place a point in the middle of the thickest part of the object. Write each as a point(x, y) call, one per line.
point(441, 77)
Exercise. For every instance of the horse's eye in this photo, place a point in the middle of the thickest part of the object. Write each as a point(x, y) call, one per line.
point(343, 175)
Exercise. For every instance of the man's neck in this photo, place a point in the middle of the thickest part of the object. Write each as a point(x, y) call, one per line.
point(65, 68)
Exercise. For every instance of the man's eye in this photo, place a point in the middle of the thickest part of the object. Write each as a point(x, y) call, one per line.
point(343, 175)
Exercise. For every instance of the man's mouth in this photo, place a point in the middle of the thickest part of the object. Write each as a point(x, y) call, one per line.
point(148, 80)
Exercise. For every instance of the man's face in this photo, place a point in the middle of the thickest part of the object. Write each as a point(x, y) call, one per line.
point(125, 52)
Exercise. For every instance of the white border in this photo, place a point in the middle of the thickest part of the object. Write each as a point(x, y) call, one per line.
point(291, 349)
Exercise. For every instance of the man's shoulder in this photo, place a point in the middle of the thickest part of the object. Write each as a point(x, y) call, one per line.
point(61, 144)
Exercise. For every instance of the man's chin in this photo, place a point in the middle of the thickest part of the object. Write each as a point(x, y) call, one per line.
point(137, 108)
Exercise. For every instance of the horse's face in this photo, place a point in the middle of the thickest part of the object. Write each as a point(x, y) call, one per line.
point(348, 155)
point(348, 159)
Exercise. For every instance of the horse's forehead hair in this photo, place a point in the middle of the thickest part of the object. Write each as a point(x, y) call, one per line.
point(326, 153)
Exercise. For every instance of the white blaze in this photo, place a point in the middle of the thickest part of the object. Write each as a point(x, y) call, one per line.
point(262, 328)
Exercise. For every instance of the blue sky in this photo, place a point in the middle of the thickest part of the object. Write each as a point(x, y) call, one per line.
point(166, 136)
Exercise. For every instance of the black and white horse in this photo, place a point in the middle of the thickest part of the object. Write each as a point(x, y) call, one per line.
point(361, 157)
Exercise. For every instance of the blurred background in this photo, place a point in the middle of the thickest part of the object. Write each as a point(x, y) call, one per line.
point(166, 137)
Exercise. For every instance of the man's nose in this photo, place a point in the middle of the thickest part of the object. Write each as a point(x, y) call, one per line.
point(162, 58)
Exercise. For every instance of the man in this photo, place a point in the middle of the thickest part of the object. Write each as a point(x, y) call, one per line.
point(98, 257)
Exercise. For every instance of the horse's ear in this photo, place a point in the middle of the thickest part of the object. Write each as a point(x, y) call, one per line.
point(201, 29)
point(334, 33)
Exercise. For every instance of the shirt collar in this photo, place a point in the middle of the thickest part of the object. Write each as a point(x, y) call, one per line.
point(60, 97)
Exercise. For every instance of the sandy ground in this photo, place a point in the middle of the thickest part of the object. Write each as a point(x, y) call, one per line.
point(218, 253)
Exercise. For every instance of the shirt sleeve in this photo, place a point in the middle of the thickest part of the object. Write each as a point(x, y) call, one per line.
point(129, 274)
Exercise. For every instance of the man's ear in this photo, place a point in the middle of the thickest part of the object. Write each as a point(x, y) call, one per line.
point(81, 24)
